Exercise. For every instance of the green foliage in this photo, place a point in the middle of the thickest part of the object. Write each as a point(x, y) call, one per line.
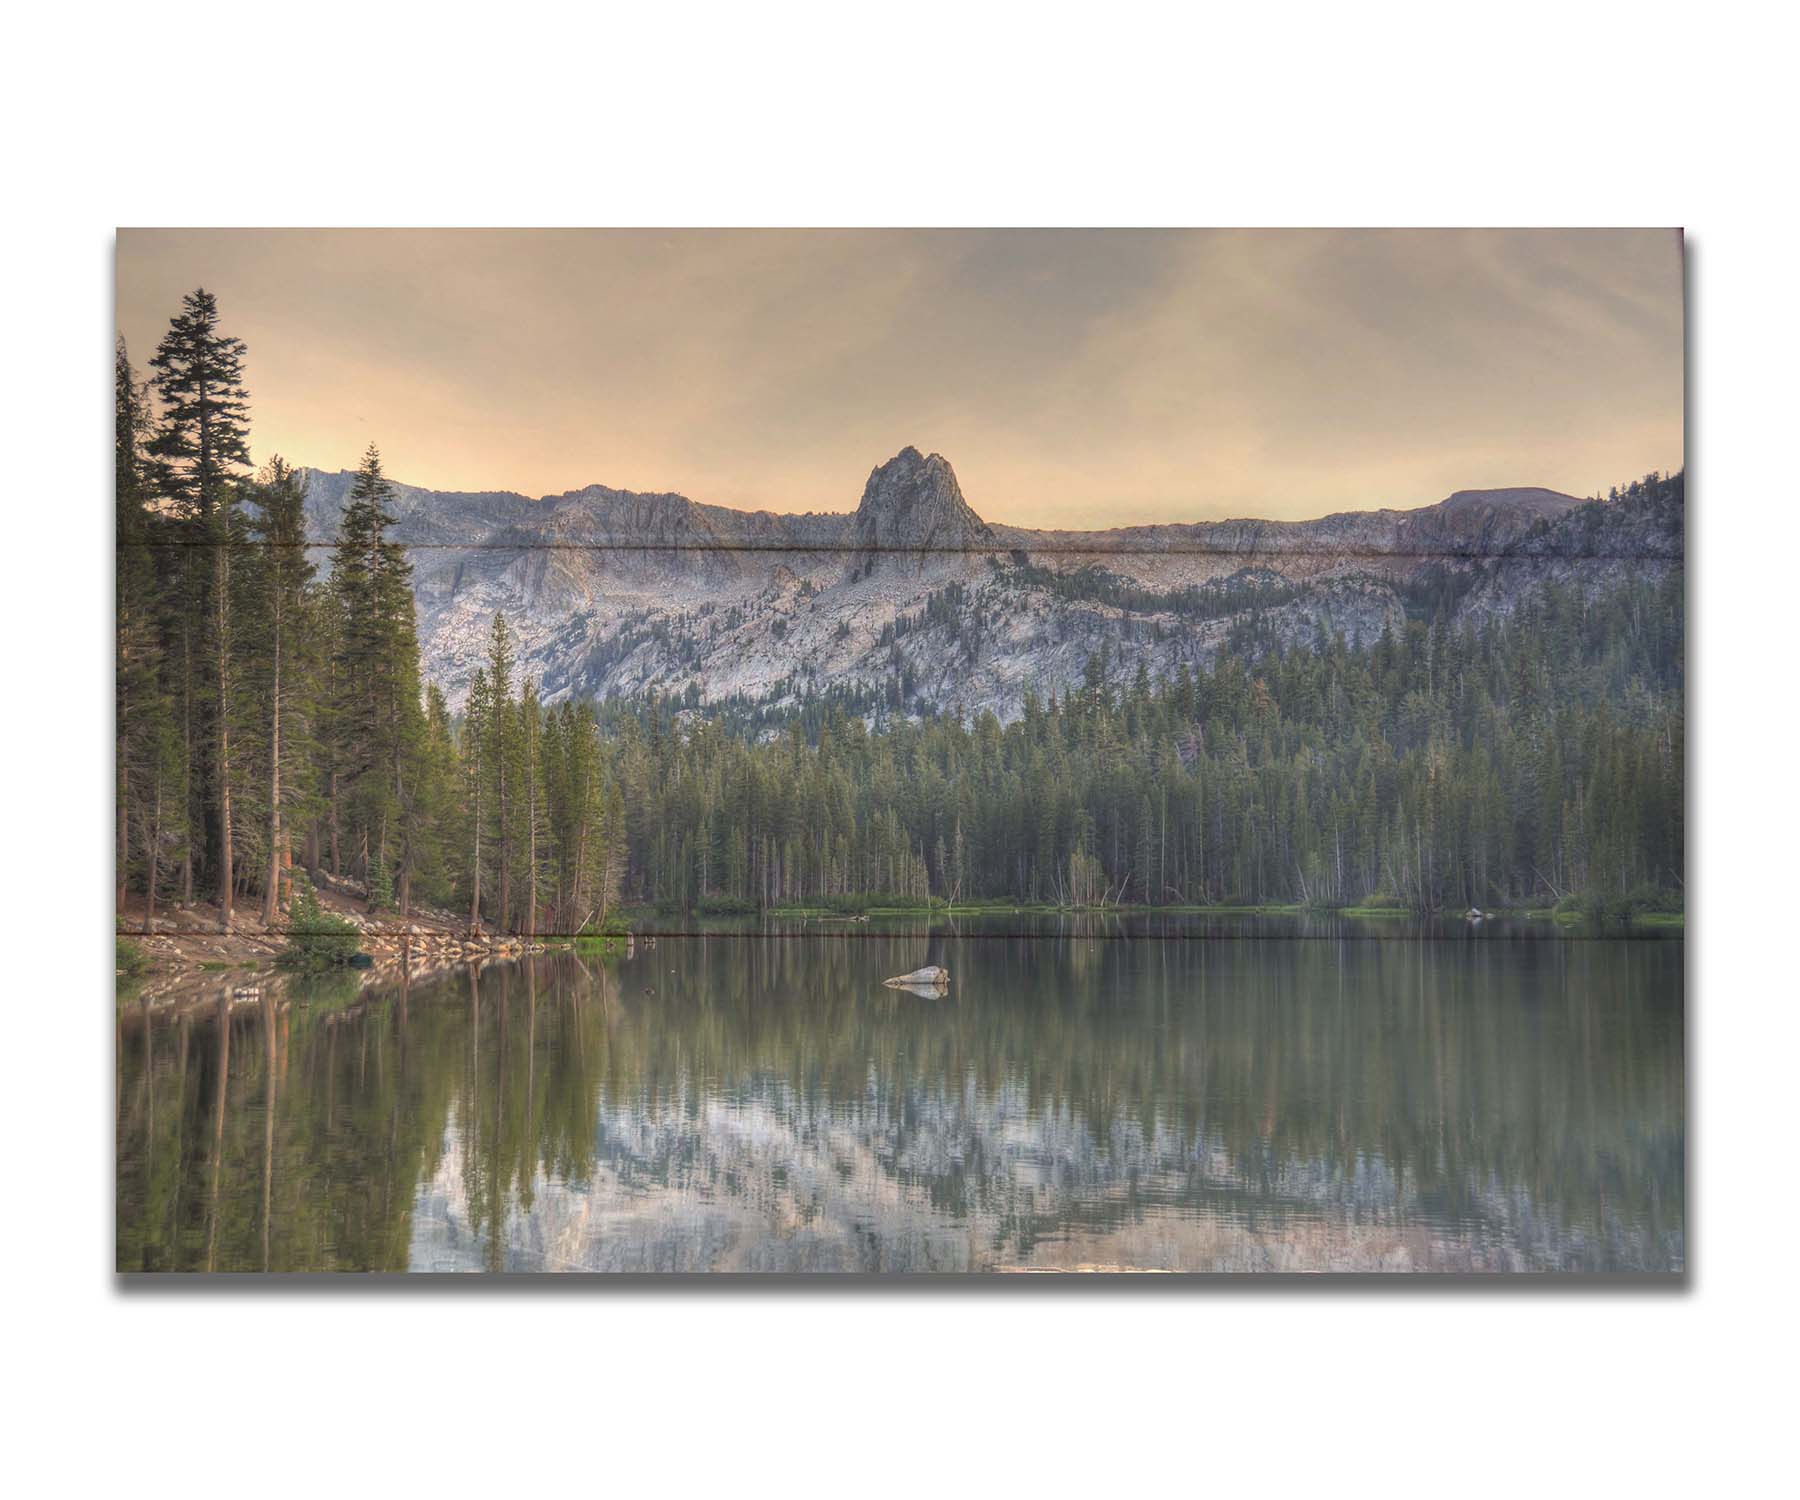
point(268, 716)
point(380, 885)
point(128, 958)
point(203, 439)
point(192, 471)
point(377, 717)
point(316, 938)
point(1642, 900)
point(1437, 768)
point(1467, 1079)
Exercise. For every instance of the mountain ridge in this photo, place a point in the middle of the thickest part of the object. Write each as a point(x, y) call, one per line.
point(913, 600)
point(328, 487)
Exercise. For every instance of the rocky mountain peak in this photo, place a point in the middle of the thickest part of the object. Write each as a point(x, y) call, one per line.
point(912, 503)
point(616, 594)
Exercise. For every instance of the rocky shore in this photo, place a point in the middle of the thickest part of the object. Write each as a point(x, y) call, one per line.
point(186, 939)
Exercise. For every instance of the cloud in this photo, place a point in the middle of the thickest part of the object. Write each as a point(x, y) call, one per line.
point(1074, 377)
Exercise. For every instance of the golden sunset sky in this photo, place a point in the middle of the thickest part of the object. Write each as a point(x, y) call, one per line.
point(1074, 378)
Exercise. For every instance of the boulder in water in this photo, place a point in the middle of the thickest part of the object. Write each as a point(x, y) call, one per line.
point(930, 975)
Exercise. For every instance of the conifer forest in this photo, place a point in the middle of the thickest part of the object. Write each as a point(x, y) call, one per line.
point(274, 728)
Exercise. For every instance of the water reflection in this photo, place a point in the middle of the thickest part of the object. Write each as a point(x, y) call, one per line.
point(750, 1103)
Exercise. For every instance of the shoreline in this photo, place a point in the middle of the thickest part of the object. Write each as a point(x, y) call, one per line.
point(187, 939)
point(189, 943)
point(1023, 908)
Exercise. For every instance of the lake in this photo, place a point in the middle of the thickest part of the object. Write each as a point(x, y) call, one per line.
point(1214, 1094)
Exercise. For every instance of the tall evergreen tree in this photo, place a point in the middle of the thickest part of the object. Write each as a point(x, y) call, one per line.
point(531, 796)
point(284, 576)
point(379, 730)
point(500, 757)
point(137, 694)
point(198, 454)
point(474, 743)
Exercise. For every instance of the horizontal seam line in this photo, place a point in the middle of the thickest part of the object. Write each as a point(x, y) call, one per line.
point(1009, 935)
point(677, 547)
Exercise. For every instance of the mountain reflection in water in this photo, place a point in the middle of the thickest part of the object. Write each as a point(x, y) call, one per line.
point(755, 1102)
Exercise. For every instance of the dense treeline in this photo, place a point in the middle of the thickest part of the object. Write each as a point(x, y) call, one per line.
point(270, 710)
point(1537, 759)
point(271, 717)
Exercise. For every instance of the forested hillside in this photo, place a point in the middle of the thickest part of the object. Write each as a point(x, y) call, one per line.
point(1536, 759)
point(271, 714)
point(272, 717)
point(914, 603)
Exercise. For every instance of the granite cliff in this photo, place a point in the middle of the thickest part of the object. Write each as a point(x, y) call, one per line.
point(913, 601)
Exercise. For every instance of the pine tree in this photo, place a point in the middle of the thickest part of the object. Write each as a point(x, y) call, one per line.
point(500, 757)
point(436, 799)
point(137, 688)
point(531, 765)
point(474, 744)
point(378, 728)
point(285, 573)
point(197, 456)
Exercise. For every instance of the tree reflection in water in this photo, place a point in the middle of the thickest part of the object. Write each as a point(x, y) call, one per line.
point(753, 1102)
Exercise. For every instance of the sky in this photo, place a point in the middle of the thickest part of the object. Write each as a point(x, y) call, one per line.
point(1073, 378)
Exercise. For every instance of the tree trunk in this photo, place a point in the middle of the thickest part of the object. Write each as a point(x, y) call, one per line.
point(150, 873)
point(403, 884)
point(369, 867)
point(221, 581)
point(503, 809)
point(272, 888)
point(124, 855)
point(581, 841)
point(475, 878)
point(187, 733)
point(531, 860)
point(337, 863)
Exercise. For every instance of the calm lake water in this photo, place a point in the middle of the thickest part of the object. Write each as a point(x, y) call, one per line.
point(1326, 1095)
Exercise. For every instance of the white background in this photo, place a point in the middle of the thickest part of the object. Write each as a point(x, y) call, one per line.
point(901, 114)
